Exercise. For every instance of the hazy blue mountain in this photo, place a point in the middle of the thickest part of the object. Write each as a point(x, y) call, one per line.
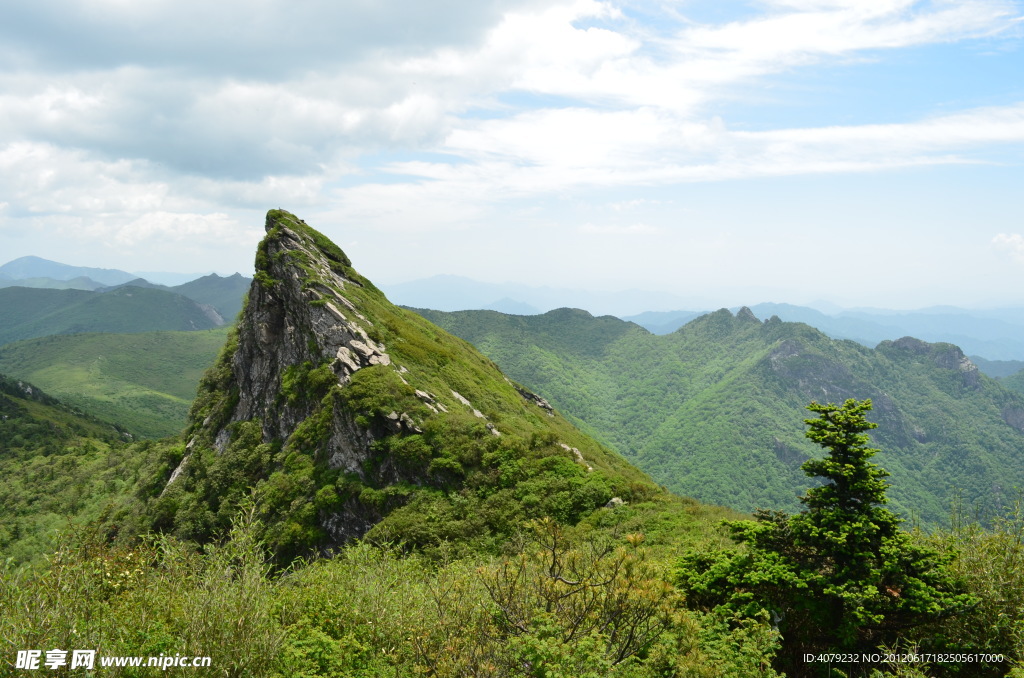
point(663, 322)
point(36, 267)
point(79, 283)
point(453, 293)
point(137, 282)
point(512, 307)
point(998, 369)
point(995, 334)
point(223, 293)
point(167, 278)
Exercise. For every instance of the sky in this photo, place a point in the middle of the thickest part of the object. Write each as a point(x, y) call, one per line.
point(863, 152)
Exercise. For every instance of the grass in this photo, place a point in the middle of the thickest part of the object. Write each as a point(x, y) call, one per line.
point(144, 382)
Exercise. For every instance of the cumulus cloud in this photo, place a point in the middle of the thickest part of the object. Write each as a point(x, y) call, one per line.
point(1013, 243)
point(157, 227)
point(431, 115)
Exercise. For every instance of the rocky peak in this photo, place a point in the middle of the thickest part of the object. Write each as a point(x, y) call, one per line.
point(299, 313)
point(946, 356)
point(333, 406)
point(746, 315)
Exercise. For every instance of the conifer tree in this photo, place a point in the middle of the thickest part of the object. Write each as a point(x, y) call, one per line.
point(839, 576)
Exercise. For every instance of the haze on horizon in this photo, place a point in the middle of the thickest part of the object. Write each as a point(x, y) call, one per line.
point(867, 154)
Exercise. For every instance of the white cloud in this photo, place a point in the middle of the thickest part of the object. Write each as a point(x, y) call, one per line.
point(614, 229)
point(139, 122)
point(1013, 243)
point(174, 227)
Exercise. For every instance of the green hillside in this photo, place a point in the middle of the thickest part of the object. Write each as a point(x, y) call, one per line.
point(55, 464)
point(26, 313)
point(705, 409)
point(145, 382)
point(223, 293)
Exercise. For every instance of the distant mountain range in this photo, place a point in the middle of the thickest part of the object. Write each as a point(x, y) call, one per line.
point(39, 297)
point(456, 293)
point(995, 334)
point(712, 410)
point(38, 268)
point(994, 338)
point(992, 334)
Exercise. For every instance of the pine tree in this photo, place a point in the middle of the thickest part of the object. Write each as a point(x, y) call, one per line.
point(839, 576)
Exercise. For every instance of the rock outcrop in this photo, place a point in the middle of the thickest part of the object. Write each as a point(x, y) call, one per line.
point(334, 409)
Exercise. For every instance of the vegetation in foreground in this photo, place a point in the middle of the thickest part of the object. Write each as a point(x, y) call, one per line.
point(613, 595)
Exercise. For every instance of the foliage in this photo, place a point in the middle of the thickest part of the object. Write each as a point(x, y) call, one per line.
point(56, 465)
point(145, 382)
point(990, 563)
point(704, 409)
point(154, 597)
point(370, 611)
point(840, 576)
point(608, 599)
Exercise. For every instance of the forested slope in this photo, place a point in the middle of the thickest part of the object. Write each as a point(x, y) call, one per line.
point(704, 409)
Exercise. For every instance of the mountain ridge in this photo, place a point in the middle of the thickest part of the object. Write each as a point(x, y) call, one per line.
point(350, 416)
point(703, 409)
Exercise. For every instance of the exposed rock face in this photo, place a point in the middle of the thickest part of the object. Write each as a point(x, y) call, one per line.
point(814, 375)
point(291, 322)
point(338, 411)
point(947, 356)
point(536, 399)
point(295, 319)
point(297, 315)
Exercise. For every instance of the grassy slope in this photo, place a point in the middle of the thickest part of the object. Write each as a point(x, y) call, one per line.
point(26, 313)
point(145, 382)
point(714, 410)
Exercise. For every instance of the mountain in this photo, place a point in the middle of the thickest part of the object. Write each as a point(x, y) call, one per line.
point(997, 334)
point(660, 322)
point(166, 278)
point(223, 293)
point(135, 282)
point(453, 293)
point(36, 267)
point(512, 307)
point(708, 410)
point(143, 381)
point(79, 283)
point(26, 313)
point(348, 416)
point(998, 369)
point(211, 292)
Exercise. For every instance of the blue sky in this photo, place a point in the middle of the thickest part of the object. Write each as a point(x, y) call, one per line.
point(862, 152)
